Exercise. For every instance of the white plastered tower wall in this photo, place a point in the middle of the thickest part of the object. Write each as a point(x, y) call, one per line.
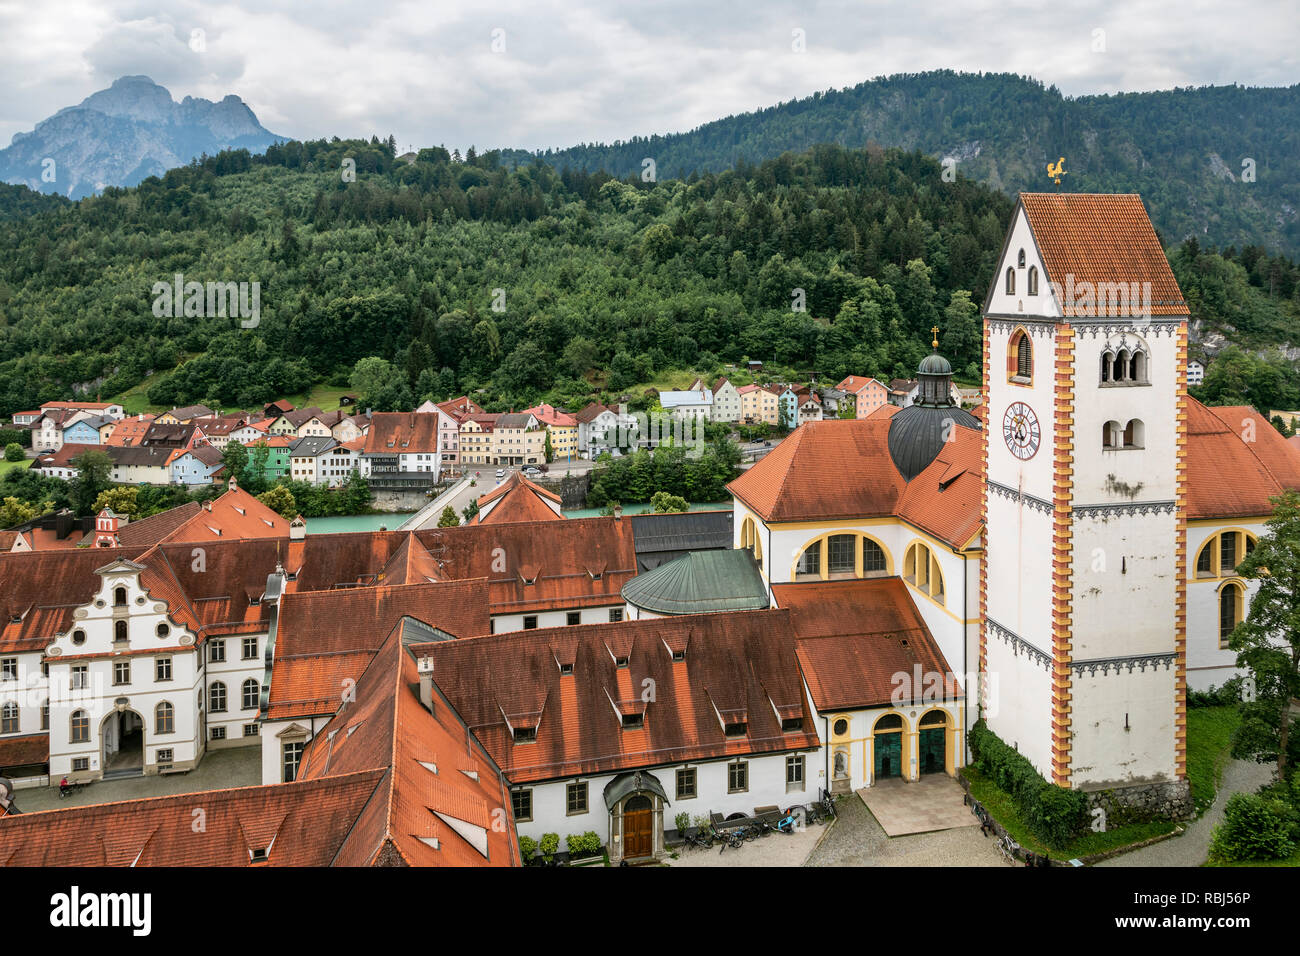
point(1082, 633)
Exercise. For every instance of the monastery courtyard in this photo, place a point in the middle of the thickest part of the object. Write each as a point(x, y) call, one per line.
point(220, 770)
point(857, 839)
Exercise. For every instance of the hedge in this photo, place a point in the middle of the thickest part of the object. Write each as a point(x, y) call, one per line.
point(1054, 814)
point(1254, 828)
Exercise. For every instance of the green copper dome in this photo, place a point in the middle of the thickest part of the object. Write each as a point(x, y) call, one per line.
point(934, 364)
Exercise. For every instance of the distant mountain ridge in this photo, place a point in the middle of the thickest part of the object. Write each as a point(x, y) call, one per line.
point(1184, 150)
point(124, 134)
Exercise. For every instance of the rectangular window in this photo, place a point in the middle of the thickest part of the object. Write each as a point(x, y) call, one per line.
point(80, 763)
point(216, 651)
point(794, 773)
point(250, 730)
point(250, 649)
point(162, 669)
point(164, 755)
point(9, 719)
point(9, 668)
point(80, 676)
point(686, 784)
point(218, 733)
point(573, 617)
point(738, 777)
point(530, 622)
point(292, 757)
point(1228, 554)
point(576, 798)
point(840, 553)
point(45, 716)
point(615, 614)
point(521, 802)
point(121, 672)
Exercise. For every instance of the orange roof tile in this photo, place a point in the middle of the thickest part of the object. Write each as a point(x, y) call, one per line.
point(1236, 461)
point(517, 499)
point(1101, 239)
point(739, 662)
point(854, 638)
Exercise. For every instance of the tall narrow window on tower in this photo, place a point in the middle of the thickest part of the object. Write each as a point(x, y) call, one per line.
point(1033, 280)
point(1011, 281)
point(1020, 361)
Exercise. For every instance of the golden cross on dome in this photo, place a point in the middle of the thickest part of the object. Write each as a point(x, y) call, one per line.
point(935, 344)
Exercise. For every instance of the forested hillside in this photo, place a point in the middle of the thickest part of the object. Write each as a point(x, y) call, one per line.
point(602, 283)
point(528, 283)
point(1181, 149)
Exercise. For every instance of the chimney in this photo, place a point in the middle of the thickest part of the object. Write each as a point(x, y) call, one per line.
point(425, 667)
point(297, 529)
point(618, 512)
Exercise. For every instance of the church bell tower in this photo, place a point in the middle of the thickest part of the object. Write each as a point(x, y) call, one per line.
point(1082, 592)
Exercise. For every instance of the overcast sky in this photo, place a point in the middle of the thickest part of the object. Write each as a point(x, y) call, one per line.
point(591, 70)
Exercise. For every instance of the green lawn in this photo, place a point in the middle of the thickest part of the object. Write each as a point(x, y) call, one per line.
point(1003, 809)
point(8, 466)
point(135, 401)
point(1209, 734)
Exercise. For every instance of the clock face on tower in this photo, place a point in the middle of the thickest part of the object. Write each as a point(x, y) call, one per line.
point(1020, 430)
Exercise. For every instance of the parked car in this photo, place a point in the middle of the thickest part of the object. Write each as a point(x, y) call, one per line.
point(501, 474)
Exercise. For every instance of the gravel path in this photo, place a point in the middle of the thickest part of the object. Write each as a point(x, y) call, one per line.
point(856, 839)
point(1191, 849)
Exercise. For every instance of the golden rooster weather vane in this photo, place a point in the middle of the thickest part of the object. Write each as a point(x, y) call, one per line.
point(1057, 170)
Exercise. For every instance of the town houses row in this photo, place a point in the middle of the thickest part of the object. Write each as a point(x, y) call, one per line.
point(407, 449)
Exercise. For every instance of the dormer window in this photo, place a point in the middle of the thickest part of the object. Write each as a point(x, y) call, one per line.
point(566, 670)
point(734, 730)
point(620, 662)
point(525, 735)
point(258, 856)
point(633, 721)
point(679, 656)
point(791, 725)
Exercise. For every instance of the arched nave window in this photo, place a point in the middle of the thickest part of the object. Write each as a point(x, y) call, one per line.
point(921, 570)
point(1219, 557)
point(1232, 601)
point(849, 554)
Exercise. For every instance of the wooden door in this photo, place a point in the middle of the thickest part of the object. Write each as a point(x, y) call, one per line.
point(638, 828)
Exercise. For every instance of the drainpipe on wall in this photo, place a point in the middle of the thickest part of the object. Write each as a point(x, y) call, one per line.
point(826, 748)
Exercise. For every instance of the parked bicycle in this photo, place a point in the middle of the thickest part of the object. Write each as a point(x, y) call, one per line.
point(1009, 849)
point(828, 805)
point(702, 838)
point(731, 838)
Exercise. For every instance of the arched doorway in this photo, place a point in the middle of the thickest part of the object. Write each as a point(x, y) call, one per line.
point(636, 804)
point(638, 827)
point(933, 742)
point(887, 746)
point(122, 734)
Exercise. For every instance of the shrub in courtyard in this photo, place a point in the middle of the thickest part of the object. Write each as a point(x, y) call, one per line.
point(1254, 827)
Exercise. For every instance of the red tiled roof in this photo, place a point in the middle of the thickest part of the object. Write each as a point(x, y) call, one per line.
point(1102, 239)
point(944, 499)
point(825, 470)
point(429, 810)
point(1236, 461)
point(855, 637)
point(396, 433)
point(326, 637)
point(517, 499)
point(130, 430)
point(297, 824)
point(592, 412)
point(737, 663)
point(550, 415)
point(26, 751)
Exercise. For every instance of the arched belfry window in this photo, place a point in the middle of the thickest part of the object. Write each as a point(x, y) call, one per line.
point(1020, 260)
point(1020, 358)
point(1011, 281)
point(1033, 280)
point(1107, 366)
